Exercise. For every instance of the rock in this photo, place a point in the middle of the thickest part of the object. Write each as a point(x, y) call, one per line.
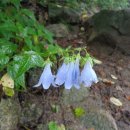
point(32, 110)
point(74, 95)
point(76, 126)
point(99, 120)
point(64, 13)
point(42, 127)
point(59, 30)
point(111, 27)
point(9, 114)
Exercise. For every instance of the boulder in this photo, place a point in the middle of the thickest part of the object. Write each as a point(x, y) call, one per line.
point(58, 30)
point(111, 27)
point(99, 120)
point(64, 13)
point(74, 95)
point(9, 114)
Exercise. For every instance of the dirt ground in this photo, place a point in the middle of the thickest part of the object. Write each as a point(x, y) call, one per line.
point(114, 76)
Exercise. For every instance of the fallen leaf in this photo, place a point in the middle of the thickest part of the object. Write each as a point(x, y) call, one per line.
point(128, 98)
point(114, 77)
point(8, 91)
point(115, 101)
point(108, 82)
point(119, 88)
point(7, 81)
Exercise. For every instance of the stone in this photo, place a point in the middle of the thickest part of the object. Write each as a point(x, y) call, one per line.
point(32, 110)
point(42, 127)
point(112, 28)
point(58, 30)
point(99, 120)
point(74, 95)
point(9, 113)
point(64, 13)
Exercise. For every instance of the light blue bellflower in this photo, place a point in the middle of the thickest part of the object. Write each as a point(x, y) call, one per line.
point(69, 77)
point(88, 75)
point(61, 74)
point(47, 78)
point(76, 74)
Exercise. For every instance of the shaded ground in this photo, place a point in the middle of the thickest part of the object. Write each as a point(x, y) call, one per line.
point(117, 64)
point(114, 74)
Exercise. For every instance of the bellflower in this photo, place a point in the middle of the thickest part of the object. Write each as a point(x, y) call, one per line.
point(76, 74)
point(69, 76)
point(88, 75)
point(61, 74)
point(47, 78)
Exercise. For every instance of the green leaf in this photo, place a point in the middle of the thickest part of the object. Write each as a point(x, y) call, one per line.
point(28, 13)
point(22, 63)
point(3, 59)
point(28, 43)
point(78, 112)
point(53, 125)
point(7, 47)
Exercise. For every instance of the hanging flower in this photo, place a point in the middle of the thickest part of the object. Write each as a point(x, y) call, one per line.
point(76, 74)
point(69, 76)
point(88, 75)
point(47, 78)
point(61, 74)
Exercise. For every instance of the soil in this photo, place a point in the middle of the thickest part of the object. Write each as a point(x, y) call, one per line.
point(114, 64)
point(114, 76)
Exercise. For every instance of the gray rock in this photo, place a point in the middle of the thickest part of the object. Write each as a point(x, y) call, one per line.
point(111, 27)
point(42, 127)
point(74, 95)
point(59, 30)
point(9, 114)
point(64, 13)
point(32, 110)
point(99, 120)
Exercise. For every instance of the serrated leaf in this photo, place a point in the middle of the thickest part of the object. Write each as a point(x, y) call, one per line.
point(7, 81)
point(22, 63)
point(7, 47)
point(3, 59)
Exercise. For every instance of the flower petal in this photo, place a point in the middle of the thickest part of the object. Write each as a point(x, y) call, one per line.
point(88, 75)
point(61, 74)
point(69, 78)
point(46, 78)
point(76, 74)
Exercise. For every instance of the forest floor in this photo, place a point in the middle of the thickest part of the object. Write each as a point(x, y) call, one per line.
point(114, 80)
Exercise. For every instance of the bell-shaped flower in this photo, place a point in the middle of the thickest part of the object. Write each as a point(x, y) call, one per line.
point(61, 74)
point(69, 76)
point(47, 78)
point(76, 74)
point(88, 75)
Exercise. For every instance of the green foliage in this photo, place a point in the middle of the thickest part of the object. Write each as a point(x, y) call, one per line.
point(78, 112)
point(87, 4)
point(22, 41)
point(54, 126)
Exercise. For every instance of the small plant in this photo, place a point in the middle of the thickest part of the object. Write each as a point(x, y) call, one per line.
point(78, 112)
point(54, 126)
point(26, 44)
